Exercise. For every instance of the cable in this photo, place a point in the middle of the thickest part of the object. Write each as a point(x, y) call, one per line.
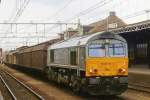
point(18, 13)
point(61, 9)
point(90, 9)
point(86, 11)
point(125, 17)
point(103, 12)
point(57, 12)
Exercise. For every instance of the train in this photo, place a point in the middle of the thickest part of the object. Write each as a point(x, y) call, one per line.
point(95, 63)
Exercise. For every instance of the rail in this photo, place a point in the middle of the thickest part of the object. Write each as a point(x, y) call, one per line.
point(141, 88)
point(12, 83)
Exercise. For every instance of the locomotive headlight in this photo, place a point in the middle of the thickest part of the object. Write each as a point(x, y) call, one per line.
point(93, 71)
point(121, 70)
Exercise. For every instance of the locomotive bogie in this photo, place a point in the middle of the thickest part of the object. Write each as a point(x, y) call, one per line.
point(107, 85)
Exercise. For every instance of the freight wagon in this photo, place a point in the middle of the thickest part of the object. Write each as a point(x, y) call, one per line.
point(34, 57)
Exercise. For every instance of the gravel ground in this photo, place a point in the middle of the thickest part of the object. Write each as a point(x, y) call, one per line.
point(50, 90)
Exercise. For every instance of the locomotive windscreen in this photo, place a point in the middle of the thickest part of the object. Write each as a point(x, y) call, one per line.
point(109, 47)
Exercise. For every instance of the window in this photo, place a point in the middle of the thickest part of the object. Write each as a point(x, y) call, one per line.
point(113, 25)
point(97, 50)
point(52, 55)
point(142, 50)
point(82, 54)
point(116, 49)
point(73, 57)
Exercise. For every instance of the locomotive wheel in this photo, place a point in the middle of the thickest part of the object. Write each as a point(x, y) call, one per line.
point(76, 85)
point(49, 74)
point(46, 70)
point(58, 78)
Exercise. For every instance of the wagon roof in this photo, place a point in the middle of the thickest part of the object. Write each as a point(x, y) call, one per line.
point(83, 40)
point(12, 52)
point(41, 46)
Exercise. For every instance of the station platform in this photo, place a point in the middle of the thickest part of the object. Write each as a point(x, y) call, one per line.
point(139, 77)
point(143, 69)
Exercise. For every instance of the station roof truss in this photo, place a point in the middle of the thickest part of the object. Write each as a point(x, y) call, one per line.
point(132, 27)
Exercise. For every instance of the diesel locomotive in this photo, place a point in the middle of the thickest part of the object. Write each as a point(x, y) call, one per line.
point(95, 63)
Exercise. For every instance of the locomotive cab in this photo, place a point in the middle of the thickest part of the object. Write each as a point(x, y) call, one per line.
point(106, 64)
point(107, 57)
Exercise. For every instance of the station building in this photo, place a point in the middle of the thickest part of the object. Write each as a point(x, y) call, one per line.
point(137, 35)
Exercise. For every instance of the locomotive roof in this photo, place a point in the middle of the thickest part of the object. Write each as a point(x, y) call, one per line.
point(83, 40)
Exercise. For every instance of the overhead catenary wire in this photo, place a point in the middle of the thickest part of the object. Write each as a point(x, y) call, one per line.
point(136, 14)
point(124, 17)
point(102, 13)
point(18, 13)
point(21, 9)
point(57, 12)
point(61, 9)
point(90, 9)
point(86, 11)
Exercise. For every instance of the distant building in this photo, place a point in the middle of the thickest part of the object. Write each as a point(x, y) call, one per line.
point(138, 37)
point(68, 33)
point(109, 23)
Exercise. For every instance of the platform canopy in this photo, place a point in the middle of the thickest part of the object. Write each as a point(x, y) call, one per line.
point(83, 40)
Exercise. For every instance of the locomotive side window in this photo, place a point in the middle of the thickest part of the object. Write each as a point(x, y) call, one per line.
point(82, 56)
point(73, 57)
point(116, 49)
point(52, 55)
point(97, 50)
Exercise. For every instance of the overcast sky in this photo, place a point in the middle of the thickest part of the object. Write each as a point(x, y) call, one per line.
point(130, 11)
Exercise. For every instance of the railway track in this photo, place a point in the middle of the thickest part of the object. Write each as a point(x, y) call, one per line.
point(140, 87)
point(13, 89)
point(61, 93)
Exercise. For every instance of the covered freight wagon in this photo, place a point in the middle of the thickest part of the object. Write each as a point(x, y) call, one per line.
point(34, 57)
